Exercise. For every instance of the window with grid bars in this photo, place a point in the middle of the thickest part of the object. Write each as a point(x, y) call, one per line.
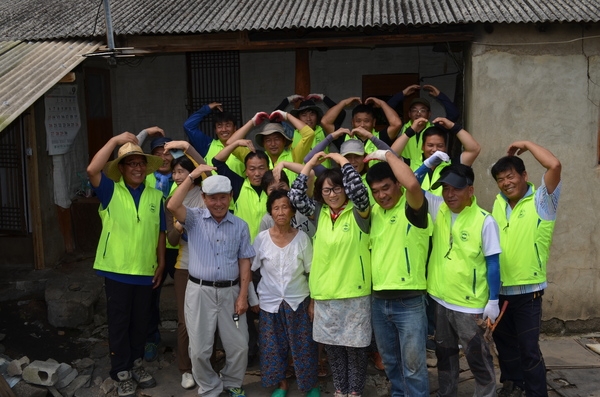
point(13, 215)
point(214, 76)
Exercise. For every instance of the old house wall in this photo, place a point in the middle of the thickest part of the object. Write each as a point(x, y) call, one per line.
point(541, 83)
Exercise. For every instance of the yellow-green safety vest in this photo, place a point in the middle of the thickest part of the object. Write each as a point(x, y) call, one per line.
point(341, 266)
point(251, 207)
point(525, 240)
point(129, 236)
point(398, 250)
point(457, 270)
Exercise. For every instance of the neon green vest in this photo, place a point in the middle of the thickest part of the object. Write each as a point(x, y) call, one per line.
point(369, 146)
point(414, 147)
point(430, 180)
point(129, 237)
point(371, 198)
point(398, 250)
point(457, 270)
point(235, 164)
point(251, 207)
point(151, 181)
point(525, 240)
point(319, 136)
point(341, 266)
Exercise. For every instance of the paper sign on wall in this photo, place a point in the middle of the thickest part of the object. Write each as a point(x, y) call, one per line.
point(62, 117)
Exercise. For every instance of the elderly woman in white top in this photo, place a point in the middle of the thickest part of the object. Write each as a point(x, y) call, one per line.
point(284, 255)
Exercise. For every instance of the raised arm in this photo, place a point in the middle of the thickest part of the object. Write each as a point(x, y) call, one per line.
point(188, 149)
point(399, 96)
point(197, 137)
point(328, 119)
point(544, 157)
point(150, 131)
point(307, 133)
point(295, 98)
point(452, 112)
point(353, 185)
point(394, 121)
point(175, 204)
point(94, 169)
point(337, 123)
point(471, 148)
point(241, 132)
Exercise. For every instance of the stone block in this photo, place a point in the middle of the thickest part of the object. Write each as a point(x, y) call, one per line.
point(15, 367)
point(108, 385)
point(24, 389)
point(54, 391)
point(41, 373)
point(84, 366)
point(77, 384)
point(66, 374)
point(71, 300)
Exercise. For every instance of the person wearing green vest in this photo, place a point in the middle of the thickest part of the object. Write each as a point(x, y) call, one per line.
point(463, 279)
point(276, 140)
point(435, 138)
point(400, 230)
point(353, 149)
point(363, 116)
point(420, 108)
point(310, 113)
point(249, 198)
point(526, 218)
point(340, 277)
point(224, 125)
point(130, 254)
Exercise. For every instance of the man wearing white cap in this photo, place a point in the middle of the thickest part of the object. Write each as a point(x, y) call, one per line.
point(216, 296)
point(130, 253)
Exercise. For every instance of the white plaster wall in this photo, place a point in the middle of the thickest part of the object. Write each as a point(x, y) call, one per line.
point(268, 77)
point(549, 94)
point(150, 93)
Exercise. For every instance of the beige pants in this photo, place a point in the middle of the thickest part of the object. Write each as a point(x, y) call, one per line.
point(207, 308)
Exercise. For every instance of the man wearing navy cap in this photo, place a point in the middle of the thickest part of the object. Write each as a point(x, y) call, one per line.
point(463, 279)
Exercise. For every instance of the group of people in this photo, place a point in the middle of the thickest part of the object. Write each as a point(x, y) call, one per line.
point(347, 234)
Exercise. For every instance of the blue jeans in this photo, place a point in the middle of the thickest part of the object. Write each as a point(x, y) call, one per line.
point(517, 339)
point(400, 327)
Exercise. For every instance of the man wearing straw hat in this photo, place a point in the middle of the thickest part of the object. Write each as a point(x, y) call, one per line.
point(130, 254)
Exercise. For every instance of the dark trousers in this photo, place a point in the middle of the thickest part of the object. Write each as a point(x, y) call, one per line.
point(153, 335)
point(128, 311)
point(517, 340)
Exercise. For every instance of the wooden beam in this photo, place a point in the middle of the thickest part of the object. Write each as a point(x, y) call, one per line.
point(5, 389)
point(240, 42)
point(33, 184)
point(65, 225)
point(302, 72)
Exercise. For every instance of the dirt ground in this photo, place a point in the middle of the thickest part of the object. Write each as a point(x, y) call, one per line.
point(27, 333)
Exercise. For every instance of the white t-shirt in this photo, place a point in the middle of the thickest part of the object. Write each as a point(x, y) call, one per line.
point(283, 270)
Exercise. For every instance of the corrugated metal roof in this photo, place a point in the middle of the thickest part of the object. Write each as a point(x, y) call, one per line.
point(35, 20)
point(29, 69)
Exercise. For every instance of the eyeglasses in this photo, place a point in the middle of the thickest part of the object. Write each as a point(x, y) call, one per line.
point(419, 111)
point(328, 190)
point(134, 164)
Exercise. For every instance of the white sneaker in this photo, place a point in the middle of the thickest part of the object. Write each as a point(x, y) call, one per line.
point(187, 381)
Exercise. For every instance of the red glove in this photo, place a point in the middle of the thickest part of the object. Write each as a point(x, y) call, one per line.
point(315, 97)
point(278, 116)
point(259, 118)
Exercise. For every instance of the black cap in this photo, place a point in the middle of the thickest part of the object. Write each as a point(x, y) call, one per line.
point(454, 180)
